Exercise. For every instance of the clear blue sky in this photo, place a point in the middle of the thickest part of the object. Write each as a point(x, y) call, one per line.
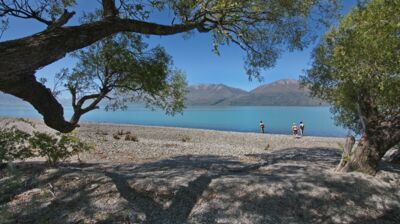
point(194, 56)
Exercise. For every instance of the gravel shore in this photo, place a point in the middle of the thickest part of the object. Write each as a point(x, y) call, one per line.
point(177, 175)
point(154, 143)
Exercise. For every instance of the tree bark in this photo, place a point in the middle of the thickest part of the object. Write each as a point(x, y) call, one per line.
point(350, 141)
point(41, 98)
point(364, 158)
point(368, 152)
point(380, 134)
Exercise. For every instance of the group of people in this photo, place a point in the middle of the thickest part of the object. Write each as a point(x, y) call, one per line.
point(295, 130)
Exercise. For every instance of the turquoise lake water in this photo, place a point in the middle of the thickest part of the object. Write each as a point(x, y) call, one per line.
point(278, 120)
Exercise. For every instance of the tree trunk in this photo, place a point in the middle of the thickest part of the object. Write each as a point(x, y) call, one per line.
point(366, 155)
point(350, 141)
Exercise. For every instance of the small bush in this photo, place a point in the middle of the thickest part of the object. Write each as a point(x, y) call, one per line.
point(116, 136)
point(170, 145)
point(268, 147)
point(14, 145)
point(100, 132)
point(130, 137)
point(340, 145)
point(57, 148)
point(17, 144)
point(185, 139)
point(24, 120)
point(120, 132)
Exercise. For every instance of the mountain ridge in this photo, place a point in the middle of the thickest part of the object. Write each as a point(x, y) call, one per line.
point(285, 92)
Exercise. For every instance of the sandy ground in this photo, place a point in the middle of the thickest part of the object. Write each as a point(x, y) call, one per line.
point(174, 175)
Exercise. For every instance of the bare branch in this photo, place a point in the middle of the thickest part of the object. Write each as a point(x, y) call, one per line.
point(109, 9)
point(64, 18)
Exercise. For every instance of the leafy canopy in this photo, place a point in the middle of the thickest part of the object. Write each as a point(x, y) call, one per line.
point(262, 28)
point(356, 67)
point(122, 69)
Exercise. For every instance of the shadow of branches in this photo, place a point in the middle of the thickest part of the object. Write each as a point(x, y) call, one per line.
point(287, 186)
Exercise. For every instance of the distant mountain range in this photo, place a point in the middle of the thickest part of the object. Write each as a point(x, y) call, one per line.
point(280, 93)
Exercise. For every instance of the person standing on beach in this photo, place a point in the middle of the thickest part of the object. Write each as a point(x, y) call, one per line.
point(262, 127)
point(294, 129)
point(301, 126)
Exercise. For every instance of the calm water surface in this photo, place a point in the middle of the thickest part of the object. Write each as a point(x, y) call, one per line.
point(318, 120)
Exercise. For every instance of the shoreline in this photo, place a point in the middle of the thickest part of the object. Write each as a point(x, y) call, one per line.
point(202, 129)
point(178, 127)
point(157, 142)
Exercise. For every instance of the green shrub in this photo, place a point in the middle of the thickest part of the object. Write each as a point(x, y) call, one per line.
point(185, 139)
point(120, 132)
point(24, 120)
point(14, 145)
point(57, 148)
point(340, 145)
point(116, 136)
point(101, 132)
point(131, 137)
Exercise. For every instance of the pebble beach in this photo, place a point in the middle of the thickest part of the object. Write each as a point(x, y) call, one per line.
point(143, 174)
point(154, 142)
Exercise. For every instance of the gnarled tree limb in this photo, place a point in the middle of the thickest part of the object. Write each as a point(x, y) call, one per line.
point(27, 88)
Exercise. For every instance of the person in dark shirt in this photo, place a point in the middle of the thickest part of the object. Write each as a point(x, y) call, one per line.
point(301, 126)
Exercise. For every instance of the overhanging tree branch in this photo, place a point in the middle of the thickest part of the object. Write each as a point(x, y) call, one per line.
point(20, 58)
point(51, 45)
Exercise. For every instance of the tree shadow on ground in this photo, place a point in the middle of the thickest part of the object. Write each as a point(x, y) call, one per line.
point(287, 186)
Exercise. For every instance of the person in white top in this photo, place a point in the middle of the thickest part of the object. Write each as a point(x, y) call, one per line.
point(262, 126)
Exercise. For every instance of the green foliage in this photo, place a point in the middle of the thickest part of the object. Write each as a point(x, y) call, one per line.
point(356, 67)
point(13, 145)
point(56, 8)
point(3, 26)
point(185, 139)
point(116, 136)
point(341, 146)
point(131, 137)
point(262, 28)
point(16, 144)
point(124, 70)
point(56, 148)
